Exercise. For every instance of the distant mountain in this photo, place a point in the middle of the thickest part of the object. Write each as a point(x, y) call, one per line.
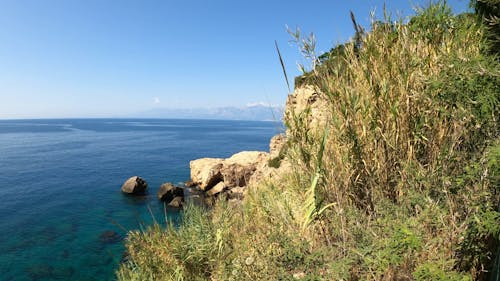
point(256, 112)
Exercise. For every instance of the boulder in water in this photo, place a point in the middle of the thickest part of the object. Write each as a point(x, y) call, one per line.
point(134, 185)
point(168, 192)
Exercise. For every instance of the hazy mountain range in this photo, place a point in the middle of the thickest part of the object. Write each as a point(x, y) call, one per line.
point(254, 112)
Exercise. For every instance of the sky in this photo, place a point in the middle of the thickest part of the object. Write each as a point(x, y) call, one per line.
point(114, 58)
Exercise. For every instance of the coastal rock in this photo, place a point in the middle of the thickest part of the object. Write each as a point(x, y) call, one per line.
point(276, 144)
point(205, 172)
point(266, 173)
point(236, 174)
point(308, 98)
point(236, 193)
point(134, 185)
point(247, 158)
point(177, 202)
point(168, 192)
point(190, 183)
point(237, 170)
point(218, 188)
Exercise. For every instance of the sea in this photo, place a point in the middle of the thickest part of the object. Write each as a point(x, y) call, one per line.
point(62, 214)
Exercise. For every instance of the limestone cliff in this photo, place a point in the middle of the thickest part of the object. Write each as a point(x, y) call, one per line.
point(232, 176)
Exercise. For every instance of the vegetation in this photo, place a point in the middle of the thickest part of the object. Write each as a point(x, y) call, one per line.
point(403, 184)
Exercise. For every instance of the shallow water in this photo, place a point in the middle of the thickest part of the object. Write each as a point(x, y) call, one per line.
point(60, 186)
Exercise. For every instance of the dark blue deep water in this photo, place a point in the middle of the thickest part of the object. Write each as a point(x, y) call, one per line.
point(60, 186)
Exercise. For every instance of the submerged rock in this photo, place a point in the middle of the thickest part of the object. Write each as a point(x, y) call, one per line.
point(109, 237)
point(134, 185)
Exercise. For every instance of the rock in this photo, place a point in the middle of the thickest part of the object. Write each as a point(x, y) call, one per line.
point(266, 173)
point(177, 202)
point(195, 196)
point(236, 193)
point(190, 183)
point(236, 174)
point(134, 185)
point(218, 188)
point(308, 98)
point(247, 158)
point(168, 192)
point(109, 237)
point(205, 172)
point(237, 170)
point(276, 144)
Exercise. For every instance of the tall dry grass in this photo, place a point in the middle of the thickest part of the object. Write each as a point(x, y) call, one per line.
point(400, 183)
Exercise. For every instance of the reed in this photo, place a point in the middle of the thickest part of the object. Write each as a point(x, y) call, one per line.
point(403, 185)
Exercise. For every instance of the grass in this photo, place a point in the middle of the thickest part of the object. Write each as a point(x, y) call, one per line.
point(402, 186)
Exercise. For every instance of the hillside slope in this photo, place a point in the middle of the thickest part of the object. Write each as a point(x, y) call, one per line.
point(394, 145)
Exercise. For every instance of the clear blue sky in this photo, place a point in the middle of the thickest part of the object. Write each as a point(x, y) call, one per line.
point(106, 58)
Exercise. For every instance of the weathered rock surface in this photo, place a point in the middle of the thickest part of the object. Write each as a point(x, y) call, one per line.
point(265, 172)
point(177, 202)
point(134, 185)
point(205, 172)
point(190, 183)
point(308, 98)
point(168, 192)
point(227, 176)
point(239, 168)
point(236, 193)
point(232, 176)
point(276, 144)
point(218, 188)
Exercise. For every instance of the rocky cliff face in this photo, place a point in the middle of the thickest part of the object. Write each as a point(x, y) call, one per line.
point(232, 176)
point(309, 103)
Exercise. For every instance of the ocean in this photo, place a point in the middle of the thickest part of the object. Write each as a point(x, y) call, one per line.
point(62, 214)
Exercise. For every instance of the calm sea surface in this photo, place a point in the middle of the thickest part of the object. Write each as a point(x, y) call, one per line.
point(60, 186)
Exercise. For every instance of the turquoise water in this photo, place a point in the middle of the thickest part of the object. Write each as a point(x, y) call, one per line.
point(60, 186)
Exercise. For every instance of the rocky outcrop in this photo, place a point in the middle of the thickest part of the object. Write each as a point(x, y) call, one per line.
point(218, 188)
point(239, 168)
point(168, 192)
point(235, 171)
point(134, 185)
point(205, 172)
point(230, 177)
point(307, 99)
point(276, 145)
point(189, 183)
point(177, 202)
